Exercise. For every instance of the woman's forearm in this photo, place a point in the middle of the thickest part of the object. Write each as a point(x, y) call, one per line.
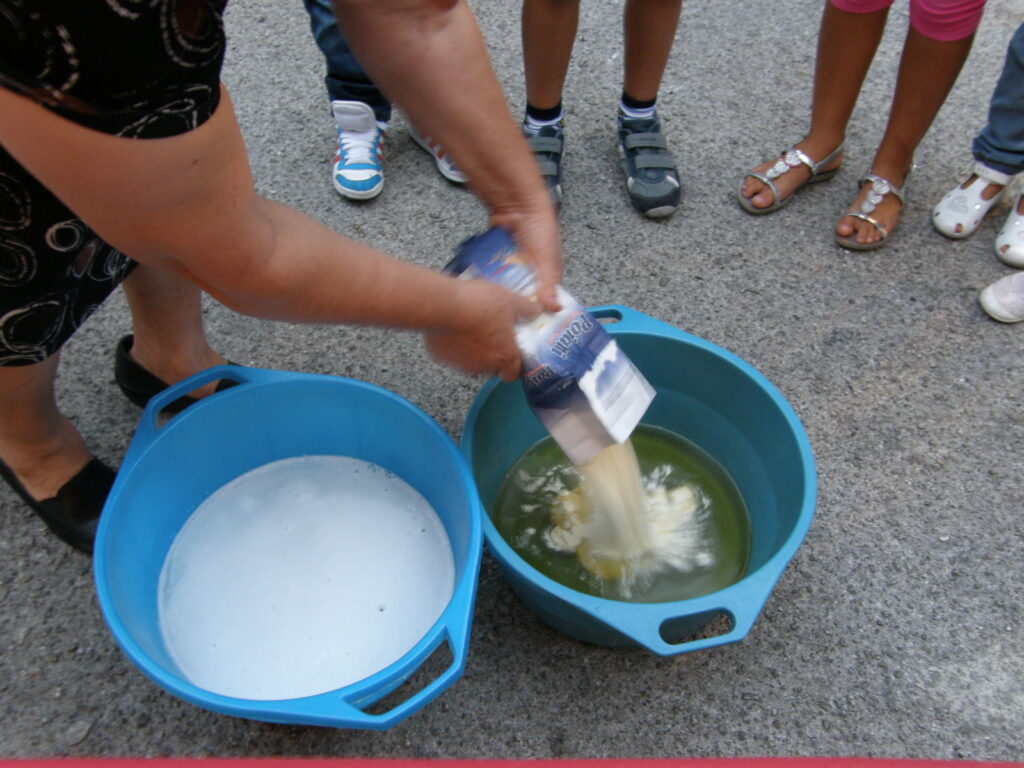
point(298, 270)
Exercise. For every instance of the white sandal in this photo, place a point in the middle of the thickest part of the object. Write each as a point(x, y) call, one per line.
point(965, 208)
point(1010, 240)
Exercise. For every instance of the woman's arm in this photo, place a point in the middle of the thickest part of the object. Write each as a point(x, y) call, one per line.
point(187, 204)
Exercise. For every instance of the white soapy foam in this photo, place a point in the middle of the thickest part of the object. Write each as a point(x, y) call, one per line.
point(303, 576)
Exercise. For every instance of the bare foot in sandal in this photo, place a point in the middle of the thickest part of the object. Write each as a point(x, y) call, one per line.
point(874, 214)
point(772, 185)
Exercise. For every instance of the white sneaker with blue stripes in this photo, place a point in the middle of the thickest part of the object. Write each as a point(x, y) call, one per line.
point(358, 171)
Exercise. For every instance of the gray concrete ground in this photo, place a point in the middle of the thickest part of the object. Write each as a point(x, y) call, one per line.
point(897, 629)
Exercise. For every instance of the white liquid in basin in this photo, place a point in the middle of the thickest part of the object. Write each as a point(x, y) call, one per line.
point(303, 576)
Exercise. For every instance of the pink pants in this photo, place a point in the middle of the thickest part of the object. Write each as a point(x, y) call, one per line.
point(938, 19)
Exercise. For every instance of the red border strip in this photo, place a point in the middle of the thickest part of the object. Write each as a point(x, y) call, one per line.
point(743, 762)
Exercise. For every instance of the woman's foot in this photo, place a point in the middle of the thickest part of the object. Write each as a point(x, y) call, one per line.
point(759, 194)
point(44, 458)
point(880, 198)
point(43, 468)
point(170, 368)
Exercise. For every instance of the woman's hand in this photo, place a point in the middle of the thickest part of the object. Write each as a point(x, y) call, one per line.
point(536, 233)
point(480, 337)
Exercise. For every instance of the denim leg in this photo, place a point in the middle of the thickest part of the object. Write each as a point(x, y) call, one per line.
point(1000, 145)
point(345, 79)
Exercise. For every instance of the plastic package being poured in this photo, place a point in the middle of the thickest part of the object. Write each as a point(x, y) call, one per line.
point(579, 383)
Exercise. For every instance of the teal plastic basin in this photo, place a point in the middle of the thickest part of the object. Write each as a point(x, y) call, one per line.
point(709, 396)
point(169, 470)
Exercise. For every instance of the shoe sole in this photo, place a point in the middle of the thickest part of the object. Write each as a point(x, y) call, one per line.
point(853, 245)
point(358, 194)
point(660, 212)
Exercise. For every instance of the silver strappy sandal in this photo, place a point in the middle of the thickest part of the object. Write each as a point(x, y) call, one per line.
point(879, 189)
point(791, 158)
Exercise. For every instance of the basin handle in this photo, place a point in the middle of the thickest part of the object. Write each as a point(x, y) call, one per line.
point(741, 602)
point(148, 426)
point(384, 720)
point(453, 628)
point(337, 709)
point(626, 320)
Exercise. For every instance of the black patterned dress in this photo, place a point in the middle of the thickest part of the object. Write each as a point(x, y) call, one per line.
point(140, 69)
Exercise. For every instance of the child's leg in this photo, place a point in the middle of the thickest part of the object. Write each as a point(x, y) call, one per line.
point(999, 152)
point(847, 42)
point(549, 30)
point(652, 178)
point(649, 28)
point(928, 69)
point(345, 79)
point(1000, 145)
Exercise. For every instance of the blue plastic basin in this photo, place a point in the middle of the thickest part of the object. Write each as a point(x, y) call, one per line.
point(169, 470)
point(709, 396)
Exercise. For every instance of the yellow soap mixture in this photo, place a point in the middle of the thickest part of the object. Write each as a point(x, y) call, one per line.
point(624, 529)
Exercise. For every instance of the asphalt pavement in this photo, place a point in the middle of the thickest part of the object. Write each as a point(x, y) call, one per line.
point(897, 630)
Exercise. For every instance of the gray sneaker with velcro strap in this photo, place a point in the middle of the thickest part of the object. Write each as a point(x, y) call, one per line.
point(651, 175)
point(546, 144)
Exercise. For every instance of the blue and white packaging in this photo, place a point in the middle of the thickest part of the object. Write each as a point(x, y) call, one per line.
point(577, 380)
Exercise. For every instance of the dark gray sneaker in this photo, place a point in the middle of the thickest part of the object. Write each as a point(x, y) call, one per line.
point(546, 144)
point(651, 175)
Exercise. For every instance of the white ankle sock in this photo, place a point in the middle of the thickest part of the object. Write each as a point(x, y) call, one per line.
point(533, 125)
point(636, 113)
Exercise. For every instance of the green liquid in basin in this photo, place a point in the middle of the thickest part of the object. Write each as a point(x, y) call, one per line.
point(522, 514)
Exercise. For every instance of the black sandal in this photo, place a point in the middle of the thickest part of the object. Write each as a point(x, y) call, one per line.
point(139, 385)
point(74, 512)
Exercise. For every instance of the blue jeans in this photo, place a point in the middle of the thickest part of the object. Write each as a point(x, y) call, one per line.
point(345, 79)
point(1000, 145)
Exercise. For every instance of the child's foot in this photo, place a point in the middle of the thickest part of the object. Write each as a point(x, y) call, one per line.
point(1004, 299)
point(1010, 240)
point(651, 175)
point(806, 160)
point(547, 143)
point(874, 213)
point(959, 213)
point(358, 171)
point(445, 165)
